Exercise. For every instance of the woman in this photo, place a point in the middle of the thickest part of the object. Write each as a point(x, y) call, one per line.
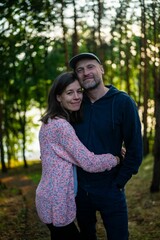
point(60, 151)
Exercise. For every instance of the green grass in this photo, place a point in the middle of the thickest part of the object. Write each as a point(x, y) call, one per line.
point(35, 174)
point(143, 207)
point(35, 177)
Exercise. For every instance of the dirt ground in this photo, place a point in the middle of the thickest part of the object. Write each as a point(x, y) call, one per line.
point(18, 216)
point(19, 219)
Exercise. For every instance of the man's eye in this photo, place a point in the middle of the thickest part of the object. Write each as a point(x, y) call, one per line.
point(90, 66)
point(79, 70)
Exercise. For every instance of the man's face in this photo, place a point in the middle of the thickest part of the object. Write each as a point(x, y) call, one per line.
point(89, 73)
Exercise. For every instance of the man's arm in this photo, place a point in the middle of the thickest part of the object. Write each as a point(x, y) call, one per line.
point(133, 143)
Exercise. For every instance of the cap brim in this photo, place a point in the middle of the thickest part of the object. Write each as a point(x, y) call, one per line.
point(75, 59)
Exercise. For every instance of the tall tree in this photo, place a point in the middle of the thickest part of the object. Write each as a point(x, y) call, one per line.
point(3, 164)
point(144, 74)
point(75, 32)
point(38, 35)
point(155, 185)
point(17, 49)
point(64, 31)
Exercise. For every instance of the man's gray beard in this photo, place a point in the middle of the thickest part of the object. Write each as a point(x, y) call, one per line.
point(92, 87)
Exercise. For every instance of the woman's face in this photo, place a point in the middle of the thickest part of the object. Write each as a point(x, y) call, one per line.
point(72, 96)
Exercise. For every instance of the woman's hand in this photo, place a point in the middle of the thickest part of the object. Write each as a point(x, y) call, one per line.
point(118, 160)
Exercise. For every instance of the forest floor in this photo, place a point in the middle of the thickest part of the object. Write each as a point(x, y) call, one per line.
point(19, 220)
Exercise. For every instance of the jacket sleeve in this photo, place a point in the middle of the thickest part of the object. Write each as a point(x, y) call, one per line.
point(72, 150)
point(131, 128)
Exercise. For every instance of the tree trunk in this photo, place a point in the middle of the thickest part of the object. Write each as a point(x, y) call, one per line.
point(64, 35)
point(155, 185)
point(144, 76)
point(24, 141)
point(75, 33)
point(4, 168)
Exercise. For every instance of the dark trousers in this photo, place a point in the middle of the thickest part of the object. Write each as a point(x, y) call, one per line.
point(69, 232)
point(111, 203)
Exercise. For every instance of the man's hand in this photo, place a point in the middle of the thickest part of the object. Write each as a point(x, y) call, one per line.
point(123, 152)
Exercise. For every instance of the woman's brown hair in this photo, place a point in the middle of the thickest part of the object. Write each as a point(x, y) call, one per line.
point(54, 108)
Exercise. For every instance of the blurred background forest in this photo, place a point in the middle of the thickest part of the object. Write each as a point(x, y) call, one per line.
point(37, 39)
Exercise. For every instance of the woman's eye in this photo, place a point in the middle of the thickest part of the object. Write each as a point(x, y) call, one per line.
point(80, 91)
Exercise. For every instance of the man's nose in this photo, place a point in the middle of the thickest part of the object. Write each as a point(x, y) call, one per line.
point(85, 71)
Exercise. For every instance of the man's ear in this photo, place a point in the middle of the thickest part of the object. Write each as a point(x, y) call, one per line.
point(102, 69)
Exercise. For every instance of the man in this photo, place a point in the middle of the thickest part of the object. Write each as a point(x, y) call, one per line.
point(110, 120)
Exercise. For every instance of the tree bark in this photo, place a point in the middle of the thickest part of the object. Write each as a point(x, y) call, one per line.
point(155, 185)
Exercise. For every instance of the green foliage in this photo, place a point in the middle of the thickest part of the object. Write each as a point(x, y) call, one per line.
point(35, 47)
point(143, 207)
point(35, 177)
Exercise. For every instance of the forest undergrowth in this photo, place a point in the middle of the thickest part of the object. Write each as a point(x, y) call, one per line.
point(19, 220)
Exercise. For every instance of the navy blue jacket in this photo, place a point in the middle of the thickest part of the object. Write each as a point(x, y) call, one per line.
point(109, 123)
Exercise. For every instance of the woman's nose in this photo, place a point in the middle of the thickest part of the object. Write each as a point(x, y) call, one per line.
point(76, 95)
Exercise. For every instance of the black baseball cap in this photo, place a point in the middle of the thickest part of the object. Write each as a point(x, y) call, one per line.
point(75, 59)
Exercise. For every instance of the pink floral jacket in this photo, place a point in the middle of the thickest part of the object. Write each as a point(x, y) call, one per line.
point(60, 150)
